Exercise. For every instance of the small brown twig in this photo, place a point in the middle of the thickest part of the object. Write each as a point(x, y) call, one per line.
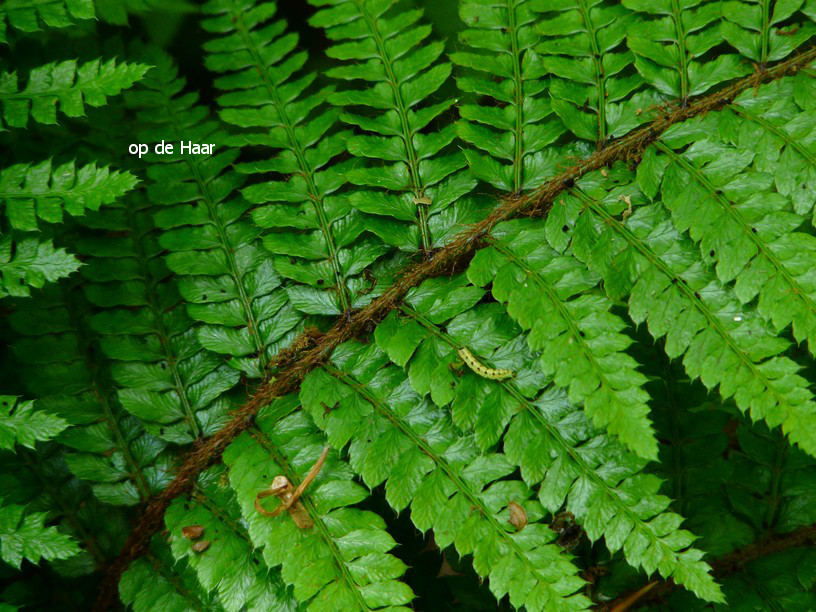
point(627, 602)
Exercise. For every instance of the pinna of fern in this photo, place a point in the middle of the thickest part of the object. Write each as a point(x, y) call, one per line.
point(42, 191)
point(595, 90)
point(30, 16)
point(225, 276)
point(698, 316)
point(318, 239)
point(412, 180)
point(504, 66)
point(124, 464)
point(164, 376)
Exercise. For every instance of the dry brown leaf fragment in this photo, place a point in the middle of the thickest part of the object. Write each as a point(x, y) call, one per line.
point(201, 546)
point(289, 496)
point(518, 516)
point(628, 212)
point(192, 532)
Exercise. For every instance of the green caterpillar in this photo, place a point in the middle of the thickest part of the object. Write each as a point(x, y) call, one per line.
point(481, 369)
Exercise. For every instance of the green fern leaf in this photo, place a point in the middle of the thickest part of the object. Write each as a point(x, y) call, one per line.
point(415, 175)
point(224, 273)
point(158, 582)
point(580, 340)
point(787, 573)
point(723, 342)
point(68, 84)
point(754, 29)
point(397, 437)
point(26, 15)
point(548, 438)
point(515, 133)
point(342, 562)
point(693, 464)
point(112, 451)
point(740, 222)
point(594, 91)
point(39, 479)
point(223, 557)
point(777, 118)
point(29, 191)
point(684, 67)
point(21, 424)
point(314, 233)
point(25, 536)
point(27, 262)
point(166, 379)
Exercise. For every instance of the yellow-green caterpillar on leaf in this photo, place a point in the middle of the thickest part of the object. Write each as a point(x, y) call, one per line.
point(481, 369)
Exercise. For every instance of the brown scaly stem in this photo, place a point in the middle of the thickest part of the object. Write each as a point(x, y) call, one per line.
point(297, 364)
point(733, 562)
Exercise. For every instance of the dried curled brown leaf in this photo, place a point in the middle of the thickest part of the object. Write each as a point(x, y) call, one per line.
point(518, 516)
point(192, 532)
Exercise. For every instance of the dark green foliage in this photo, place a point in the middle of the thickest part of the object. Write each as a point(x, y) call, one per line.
point(515, 134)
point(30, 16)
point(166, 379)
point(66, 84)
point(613, 389)
point(227, 282)
point(412, 175)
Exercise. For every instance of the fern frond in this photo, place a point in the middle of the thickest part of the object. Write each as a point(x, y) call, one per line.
point(516, 128)
point(416, 176)
point(31, 191)
point(29, 15)
point(772, 500)
point(581, 342)
point(672, 48)
point(223, 557)
point(594, 89)
point(343, 561)
point(23, 535)
point(723, 343)
point(166, 379)
point(67, 84)
point(40, 480)
point(28, 262)
point(548, 438)
point(398, 438)
point(777, 120)
point(158, 582)
point(122, 463)
point(315, 235)
point(224, 273)
point(764, 34)
point(740, 222)
point(21, 424)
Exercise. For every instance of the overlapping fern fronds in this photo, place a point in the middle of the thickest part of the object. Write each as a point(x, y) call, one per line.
point(538, 304)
